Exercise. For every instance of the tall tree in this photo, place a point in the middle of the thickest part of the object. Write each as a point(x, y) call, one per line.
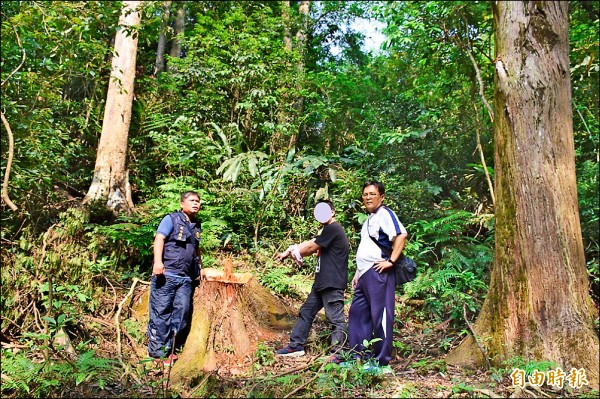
point(285, 16)
point(178, 36)
point(159, 64)
point(301, 33)
point(538, 306)
point(110, 182)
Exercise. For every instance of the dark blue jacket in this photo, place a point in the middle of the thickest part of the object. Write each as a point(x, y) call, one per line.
point(180, 255)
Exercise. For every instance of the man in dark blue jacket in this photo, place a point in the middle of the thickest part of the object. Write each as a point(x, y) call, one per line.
point(177, 262)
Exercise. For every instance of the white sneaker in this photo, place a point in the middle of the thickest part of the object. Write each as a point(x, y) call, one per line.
point(374, 369)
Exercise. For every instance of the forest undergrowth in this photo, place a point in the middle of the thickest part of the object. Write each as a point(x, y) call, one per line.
point(253, 109)
point(90, 344)
point(117, 365)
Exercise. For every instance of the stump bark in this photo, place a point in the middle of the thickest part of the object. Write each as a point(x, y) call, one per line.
point(231, 314)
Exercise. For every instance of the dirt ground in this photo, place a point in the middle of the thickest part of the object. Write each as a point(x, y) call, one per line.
point(418, 365)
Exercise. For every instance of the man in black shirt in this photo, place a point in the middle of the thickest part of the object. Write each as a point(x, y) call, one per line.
point(331, 278)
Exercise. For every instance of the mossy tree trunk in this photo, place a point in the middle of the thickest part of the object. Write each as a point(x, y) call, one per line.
point(538, 305)
point(231, 314)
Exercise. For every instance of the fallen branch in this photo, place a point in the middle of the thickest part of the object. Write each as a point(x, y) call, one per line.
point(487, 393)
point(412, 302)
point(487, 361)
point(443, 325)
point(412, 355)
point(200, 385)
point(306, 366)
point(270, 377)
point(307, 382)
point(10, 345)
point(118, 327)
point(37, 318)
point(99, 321)
point(117, 324)
point(520, 390)
point(113, 289)
point(136, 349)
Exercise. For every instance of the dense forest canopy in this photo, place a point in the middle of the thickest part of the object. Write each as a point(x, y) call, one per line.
point(263, 107)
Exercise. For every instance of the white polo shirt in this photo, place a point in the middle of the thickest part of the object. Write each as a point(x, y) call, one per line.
point(383, 225)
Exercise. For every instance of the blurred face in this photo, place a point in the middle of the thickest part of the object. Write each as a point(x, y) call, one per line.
point(371, 198)
point(191, 205)
point(323, 213)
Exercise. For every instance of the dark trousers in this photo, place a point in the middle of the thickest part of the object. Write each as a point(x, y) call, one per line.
point(333, 302)
point(169, 305)
point(371, 315)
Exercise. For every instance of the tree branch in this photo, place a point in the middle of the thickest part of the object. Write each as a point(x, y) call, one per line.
point(118, 326)
point(22, 58)
point(11, 151)
point(49, 310)
point(480, 149)
point(477, 71)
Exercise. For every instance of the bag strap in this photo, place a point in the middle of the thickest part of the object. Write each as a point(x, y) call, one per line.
point(385, 250)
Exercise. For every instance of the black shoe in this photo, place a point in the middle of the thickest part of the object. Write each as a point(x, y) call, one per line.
point(291, 351)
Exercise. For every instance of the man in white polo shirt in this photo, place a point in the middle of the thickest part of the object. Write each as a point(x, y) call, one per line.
point(371, 314)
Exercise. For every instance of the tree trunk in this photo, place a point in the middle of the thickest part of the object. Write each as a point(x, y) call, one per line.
point(303, 9)
point(159, 65)
point(538, 305)
point(285, 16)
point(110, 182)
point(176, 44)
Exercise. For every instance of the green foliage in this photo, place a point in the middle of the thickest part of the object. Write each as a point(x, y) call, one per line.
point(235, 49)
point(263, 356)
point(24, 377)
point(589, 209)
point(136, 329)
point(282, 281)
point(53, 100)
point(453, 265)
point(462, 388)
point(590, 394)
point(258, 130)
point(407, 391)
point(427, 365)
point(528, 366)
point(346, 376)
point(401, 348)
point(231, 168)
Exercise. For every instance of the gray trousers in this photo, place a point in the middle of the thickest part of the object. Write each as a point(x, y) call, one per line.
point(333, 302)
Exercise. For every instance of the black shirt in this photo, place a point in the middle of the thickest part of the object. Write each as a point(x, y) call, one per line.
point(332, 262)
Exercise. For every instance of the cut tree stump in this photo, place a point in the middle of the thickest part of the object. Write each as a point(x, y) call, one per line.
point(231, 314)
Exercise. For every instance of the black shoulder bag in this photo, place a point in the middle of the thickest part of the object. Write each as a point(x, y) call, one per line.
point(405, 268)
